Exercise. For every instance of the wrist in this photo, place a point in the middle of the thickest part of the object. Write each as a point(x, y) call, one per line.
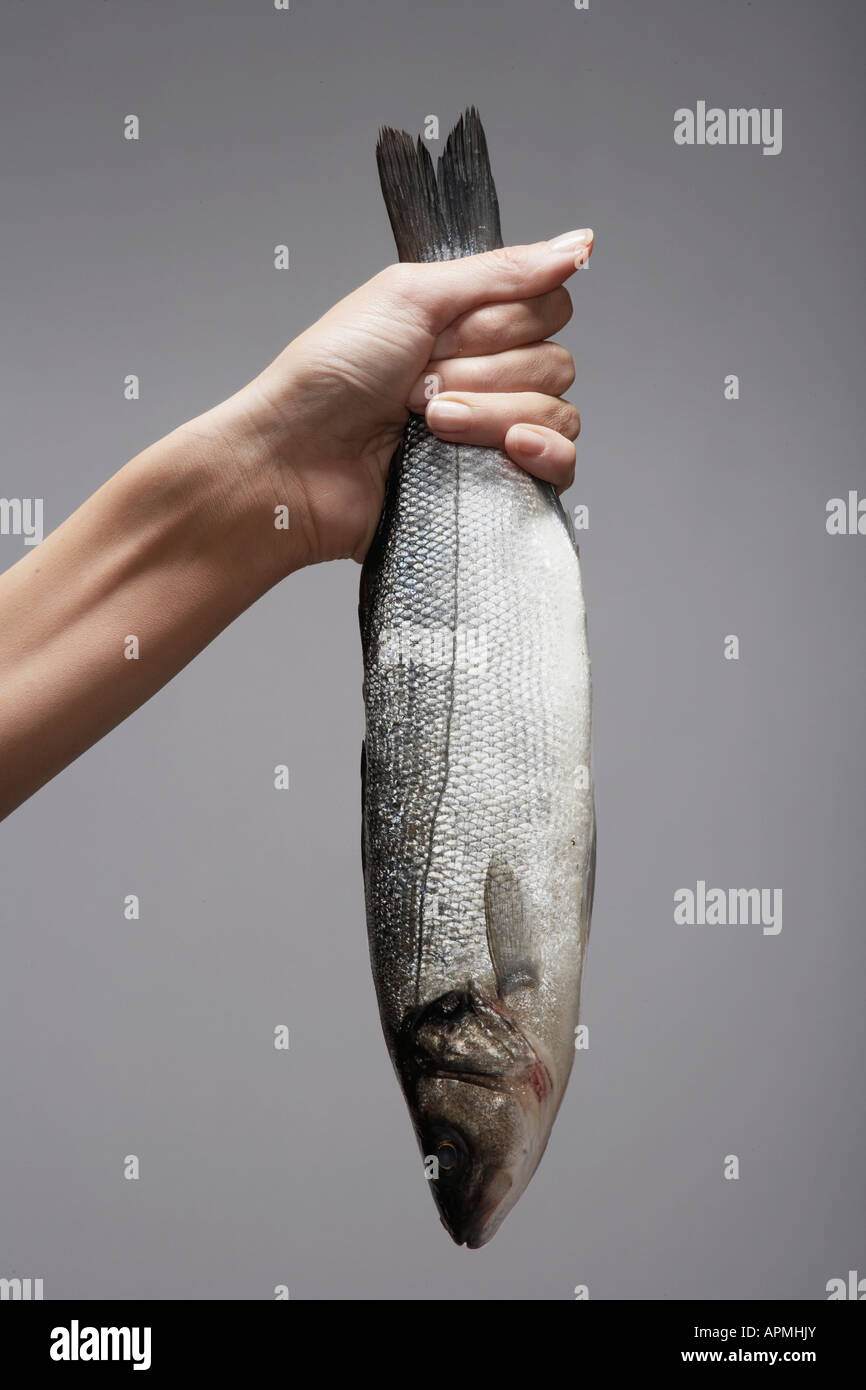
point(246, 495)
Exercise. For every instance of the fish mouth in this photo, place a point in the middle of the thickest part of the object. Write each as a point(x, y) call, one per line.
point(476, 1229)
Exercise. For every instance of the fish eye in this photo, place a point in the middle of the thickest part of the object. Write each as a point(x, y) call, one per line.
point(447, 1156)
point(448, 1146)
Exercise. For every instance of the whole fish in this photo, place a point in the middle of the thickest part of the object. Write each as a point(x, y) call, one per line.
point(478, 837)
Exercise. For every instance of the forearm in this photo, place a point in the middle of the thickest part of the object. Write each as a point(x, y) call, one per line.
point(129, 589)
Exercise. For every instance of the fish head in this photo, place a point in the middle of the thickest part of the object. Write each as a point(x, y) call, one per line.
point(481, 1098)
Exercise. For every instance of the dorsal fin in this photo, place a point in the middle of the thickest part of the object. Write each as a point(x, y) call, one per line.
point(508, 933)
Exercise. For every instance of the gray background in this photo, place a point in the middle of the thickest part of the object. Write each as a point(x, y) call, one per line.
point(707, 518)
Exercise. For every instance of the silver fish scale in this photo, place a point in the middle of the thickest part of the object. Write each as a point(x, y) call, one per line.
point(477, 688)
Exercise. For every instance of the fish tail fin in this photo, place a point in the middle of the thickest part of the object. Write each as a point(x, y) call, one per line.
point(442, 213)
point(466, 189)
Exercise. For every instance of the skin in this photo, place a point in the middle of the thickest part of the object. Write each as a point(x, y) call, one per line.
point(182, 539)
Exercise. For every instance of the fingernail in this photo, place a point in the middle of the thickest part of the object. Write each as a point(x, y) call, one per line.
point(572, 240)
point(448, 415)
point(527, 441)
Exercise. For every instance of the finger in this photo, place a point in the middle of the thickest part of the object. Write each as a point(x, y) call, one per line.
point(484, 420)
point(495, 327)
point(544, 367)
point(443, 290)
point(544, 452)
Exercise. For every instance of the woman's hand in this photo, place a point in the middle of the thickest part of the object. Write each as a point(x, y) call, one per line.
point(465, 342)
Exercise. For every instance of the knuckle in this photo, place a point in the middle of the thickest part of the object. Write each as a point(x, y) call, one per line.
point(560, 367)
point(392, 276)
point(567, 372)
point(560, 307)
point(400, 281)
point(565, 419)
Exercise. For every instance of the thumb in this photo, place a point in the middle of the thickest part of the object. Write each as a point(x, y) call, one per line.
point(446, 289)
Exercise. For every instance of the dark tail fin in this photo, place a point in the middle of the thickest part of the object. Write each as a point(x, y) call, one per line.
point(444, 213)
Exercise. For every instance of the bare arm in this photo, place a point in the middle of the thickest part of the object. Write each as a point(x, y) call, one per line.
point(158, 554)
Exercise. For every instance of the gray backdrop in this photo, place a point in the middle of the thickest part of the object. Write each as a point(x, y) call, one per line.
point(707, 518)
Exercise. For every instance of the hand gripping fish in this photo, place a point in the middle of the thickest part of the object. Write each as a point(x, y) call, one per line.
point(478, 838)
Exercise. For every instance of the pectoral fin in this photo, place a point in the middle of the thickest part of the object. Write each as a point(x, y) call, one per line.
point(508, 934)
